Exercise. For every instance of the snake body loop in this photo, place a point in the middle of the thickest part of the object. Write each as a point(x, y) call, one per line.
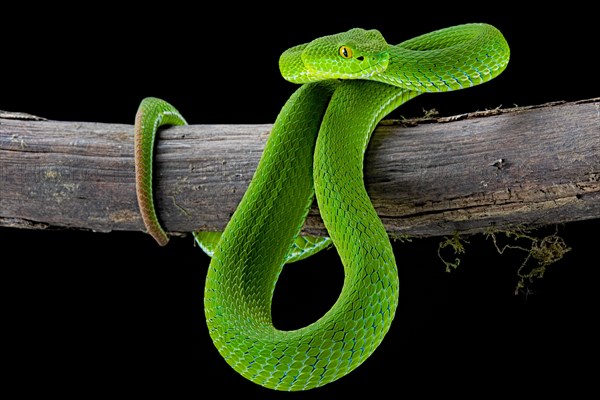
point(316, 148)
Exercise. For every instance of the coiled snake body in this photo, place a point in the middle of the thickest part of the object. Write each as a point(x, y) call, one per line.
point(350, 82)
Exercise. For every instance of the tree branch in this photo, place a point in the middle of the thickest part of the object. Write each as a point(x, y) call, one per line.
point(529, 166)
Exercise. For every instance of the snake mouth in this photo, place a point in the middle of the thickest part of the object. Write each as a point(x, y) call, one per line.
point(296, 67)
point(360, 67)
point(291, 66)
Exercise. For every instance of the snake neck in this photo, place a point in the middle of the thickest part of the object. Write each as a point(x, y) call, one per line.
point(447, 59)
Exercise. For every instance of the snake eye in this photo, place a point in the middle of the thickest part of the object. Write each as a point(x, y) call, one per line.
point(345, 52)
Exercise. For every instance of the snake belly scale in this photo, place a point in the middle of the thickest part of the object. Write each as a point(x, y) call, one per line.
point(350, 81)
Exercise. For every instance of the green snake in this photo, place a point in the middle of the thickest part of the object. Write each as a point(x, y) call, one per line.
point(350, 81)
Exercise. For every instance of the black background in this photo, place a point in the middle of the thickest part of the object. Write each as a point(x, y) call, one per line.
point(91, 313)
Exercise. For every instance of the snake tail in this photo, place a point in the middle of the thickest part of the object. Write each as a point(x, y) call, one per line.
point(152, 113)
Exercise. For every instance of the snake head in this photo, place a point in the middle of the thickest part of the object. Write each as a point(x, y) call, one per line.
point(355, 54)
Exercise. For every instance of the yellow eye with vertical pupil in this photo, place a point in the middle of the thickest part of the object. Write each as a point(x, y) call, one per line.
point(345, 52)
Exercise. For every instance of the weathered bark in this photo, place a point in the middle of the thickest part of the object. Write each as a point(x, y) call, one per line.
point(527, 166)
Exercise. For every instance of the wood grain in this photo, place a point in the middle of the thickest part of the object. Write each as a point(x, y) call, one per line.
point(529, 166)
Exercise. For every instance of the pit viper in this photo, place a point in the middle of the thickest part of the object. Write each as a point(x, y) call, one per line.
point(349, 82)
